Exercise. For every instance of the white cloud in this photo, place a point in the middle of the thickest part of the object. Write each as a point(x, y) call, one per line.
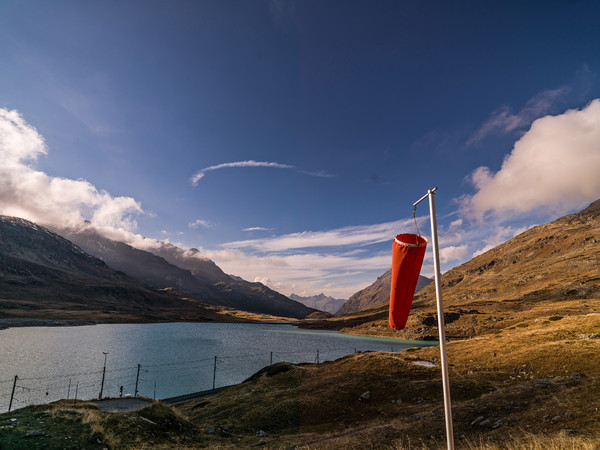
point(19, 141)
point(251, 163)
point(504, 121)
point(456, 224)
point(554, 167)
point(264, 280)
point(318, 174)
point(198, 223)
point(339, 275)
point(34, 195)
point(257, 229)
point(499, 235)
point(454, 253)
point(355, 235)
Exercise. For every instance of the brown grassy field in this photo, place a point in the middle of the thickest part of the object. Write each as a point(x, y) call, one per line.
point(528, 386)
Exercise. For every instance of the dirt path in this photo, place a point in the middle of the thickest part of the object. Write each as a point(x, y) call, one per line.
point(127, 404)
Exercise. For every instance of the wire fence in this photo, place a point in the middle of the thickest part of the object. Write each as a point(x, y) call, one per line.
point(171, 378)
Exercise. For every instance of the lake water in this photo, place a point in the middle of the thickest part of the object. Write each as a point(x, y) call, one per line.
point(175, 358)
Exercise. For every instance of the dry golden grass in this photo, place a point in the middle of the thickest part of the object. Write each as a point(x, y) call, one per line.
point(528, 385)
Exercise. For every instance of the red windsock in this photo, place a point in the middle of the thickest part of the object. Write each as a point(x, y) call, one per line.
point(408, 253)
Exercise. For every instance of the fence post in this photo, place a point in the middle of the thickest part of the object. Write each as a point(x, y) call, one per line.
point(214, 373)
point(12, 394)
point(103, 373)
point(137, 378)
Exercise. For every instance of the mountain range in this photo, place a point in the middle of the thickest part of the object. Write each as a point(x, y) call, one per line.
point(166, 265)
point(321, 302)
point(41, 270)
point(551, 267)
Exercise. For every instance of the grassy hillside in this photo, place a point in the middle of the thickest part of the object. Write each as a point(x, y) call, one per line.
point(78, 425)
point(552, 269)
point(526, 384)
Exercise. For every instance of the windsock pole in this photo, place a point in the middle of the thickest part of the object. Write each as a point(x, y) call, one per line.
point(440, 313)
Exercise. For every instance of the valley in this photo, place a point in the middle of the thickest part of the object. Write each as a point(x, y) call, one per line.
point(523, 323)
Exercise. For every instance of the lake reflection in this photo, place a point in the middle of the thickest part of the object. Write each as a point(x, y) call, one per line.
point(175, 358)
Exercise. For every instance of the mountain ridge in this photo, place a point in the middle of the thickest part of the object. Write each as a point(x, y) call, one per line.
point(167, 266)
point(320, 301)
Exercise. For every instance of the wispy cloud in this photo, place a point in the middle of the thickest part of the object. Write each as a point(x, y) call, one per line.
point(346, 236)
point(257, 229)
point(251, 163)
point(318, 173)
point(504, 121)
point(199, 223)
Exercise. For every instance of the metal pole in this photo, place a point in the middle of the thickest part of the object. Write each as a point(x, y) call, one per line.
point(214, 373)
point(12, 394)
point(137, 378)
point(441, 321)
point(103, 373)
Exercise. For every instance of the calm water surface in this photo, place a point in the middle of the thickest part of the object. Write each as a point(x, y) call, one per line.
point(175, 358)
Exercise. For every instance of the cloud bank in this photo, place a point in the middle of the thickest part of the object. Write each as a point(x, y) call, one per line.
point(554, 167)
point(53, 201)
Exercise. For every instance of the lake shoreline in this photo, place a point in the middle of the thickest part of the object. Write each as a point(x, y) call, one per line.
point(20, 322)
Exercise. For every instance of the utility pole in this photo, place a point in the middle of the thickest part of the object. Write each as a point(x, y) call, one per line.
point(103, 373)
point(271, 360)
point(12, 394)
point(69, 389)
point(76, 390)
point(137, 378)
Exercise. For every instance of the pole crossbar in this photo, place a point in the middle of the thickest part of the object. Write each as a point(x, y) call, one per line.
point(440, 312)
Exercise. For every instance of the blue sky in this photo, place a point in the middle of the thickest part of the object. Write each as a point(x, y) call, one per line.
point(288, 140)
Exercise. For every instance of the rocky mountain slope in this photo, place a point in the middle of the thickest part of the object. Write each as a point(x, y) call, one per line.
point(376, 294)
point(43, 275)
point(186, 270)
point(321, 302)
point(551, 269)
